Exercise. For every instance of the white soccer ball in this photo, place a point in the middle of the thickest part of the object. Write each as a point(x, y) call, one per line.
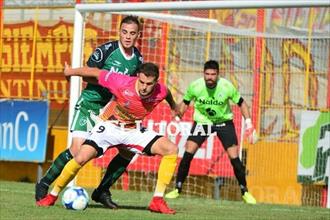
point(75, 198)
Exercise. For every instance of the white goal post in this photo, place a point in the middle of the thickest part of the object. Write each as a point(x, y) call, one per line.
point(80, 9)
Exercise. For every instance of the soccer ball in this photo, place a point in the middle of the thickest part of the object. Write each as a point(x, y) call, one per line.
point(75, 198)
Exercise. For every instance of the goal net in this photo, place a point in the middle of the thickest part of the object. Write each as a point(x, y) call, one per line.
point(279, 61)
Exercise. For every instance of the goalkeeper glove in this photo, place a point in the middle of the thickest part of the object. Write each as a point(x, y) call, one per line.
point(250, 133)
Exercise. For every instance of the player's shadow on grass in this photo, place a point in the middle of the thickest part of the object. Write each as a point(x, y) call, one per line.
point(133, 207)
point(119, 207)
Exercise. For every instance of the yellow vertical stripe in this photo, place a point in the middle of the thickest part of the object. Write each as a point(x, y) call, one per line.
point(35, 30)
point(308, 61)
point(168, 26)
point(208, 40)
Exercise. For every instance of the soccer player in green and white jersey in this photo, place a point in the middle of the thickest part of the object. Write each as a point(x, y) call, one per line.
point(120, 56)
point(211, 96)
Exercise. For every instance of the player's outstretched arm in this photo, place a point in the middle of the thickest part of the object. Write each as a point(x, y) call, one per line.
point(82, 71)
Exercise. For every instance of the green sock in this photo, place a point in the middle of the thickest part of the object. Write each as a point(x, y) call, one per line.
point(56, 168)
point(115, 169)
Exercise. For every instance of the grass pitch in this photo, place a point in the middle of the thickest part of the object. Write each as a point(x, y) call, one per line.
point(17, 202)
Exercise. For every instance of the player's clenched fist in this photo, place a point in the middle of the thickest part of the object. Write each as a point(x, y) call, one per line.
point(67, 70)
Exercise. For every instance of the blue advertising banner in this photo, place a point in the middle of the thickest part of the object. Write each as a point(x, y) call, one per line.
point(23, 130)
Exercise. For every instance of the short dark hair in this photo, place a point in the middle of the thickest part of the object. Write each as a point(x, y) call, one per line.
point(130, 19)
point(149, 69)
point(211, 64)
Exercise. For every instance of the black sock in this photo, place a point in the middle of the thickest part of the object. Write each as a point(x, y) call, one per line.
point(115, 169)
point(56, 168)
point(239, 171)
point(183, 169)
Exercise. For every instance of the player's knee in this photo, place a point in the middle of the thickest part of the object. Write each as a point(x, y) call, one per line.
point(172, 149)
point(85, 154)
point(80, 159)
point(169, 148)
point(232, 152)
point(191, 147)
point(75, 146)
point(74, 150)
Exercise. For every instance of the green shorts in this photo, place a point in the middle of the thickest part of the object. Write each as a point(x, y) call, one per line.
point(85, 115)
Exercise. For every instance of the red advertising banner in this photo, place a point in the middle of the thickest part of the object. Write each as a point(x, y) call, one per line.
point(22, 65)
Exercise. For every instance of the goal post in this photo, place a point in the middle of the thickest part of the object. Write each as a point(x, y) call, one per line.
point(200, 5)
point(75, 81)
point(222, 44)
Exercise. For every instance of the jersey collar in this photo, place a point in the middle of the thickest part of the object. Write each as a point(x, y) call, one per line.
point(123, 52)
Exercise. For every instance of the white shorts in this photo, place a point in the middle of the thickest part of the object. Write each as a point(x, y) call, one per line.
point(106, 134)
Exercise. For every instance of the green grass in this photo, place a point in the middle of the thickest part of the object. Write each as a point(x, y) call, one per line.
point(17, 202)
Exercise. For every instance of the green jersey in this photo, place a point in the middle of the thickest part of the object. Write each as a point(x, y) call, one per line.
point(212, 105)
point(110, 56)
